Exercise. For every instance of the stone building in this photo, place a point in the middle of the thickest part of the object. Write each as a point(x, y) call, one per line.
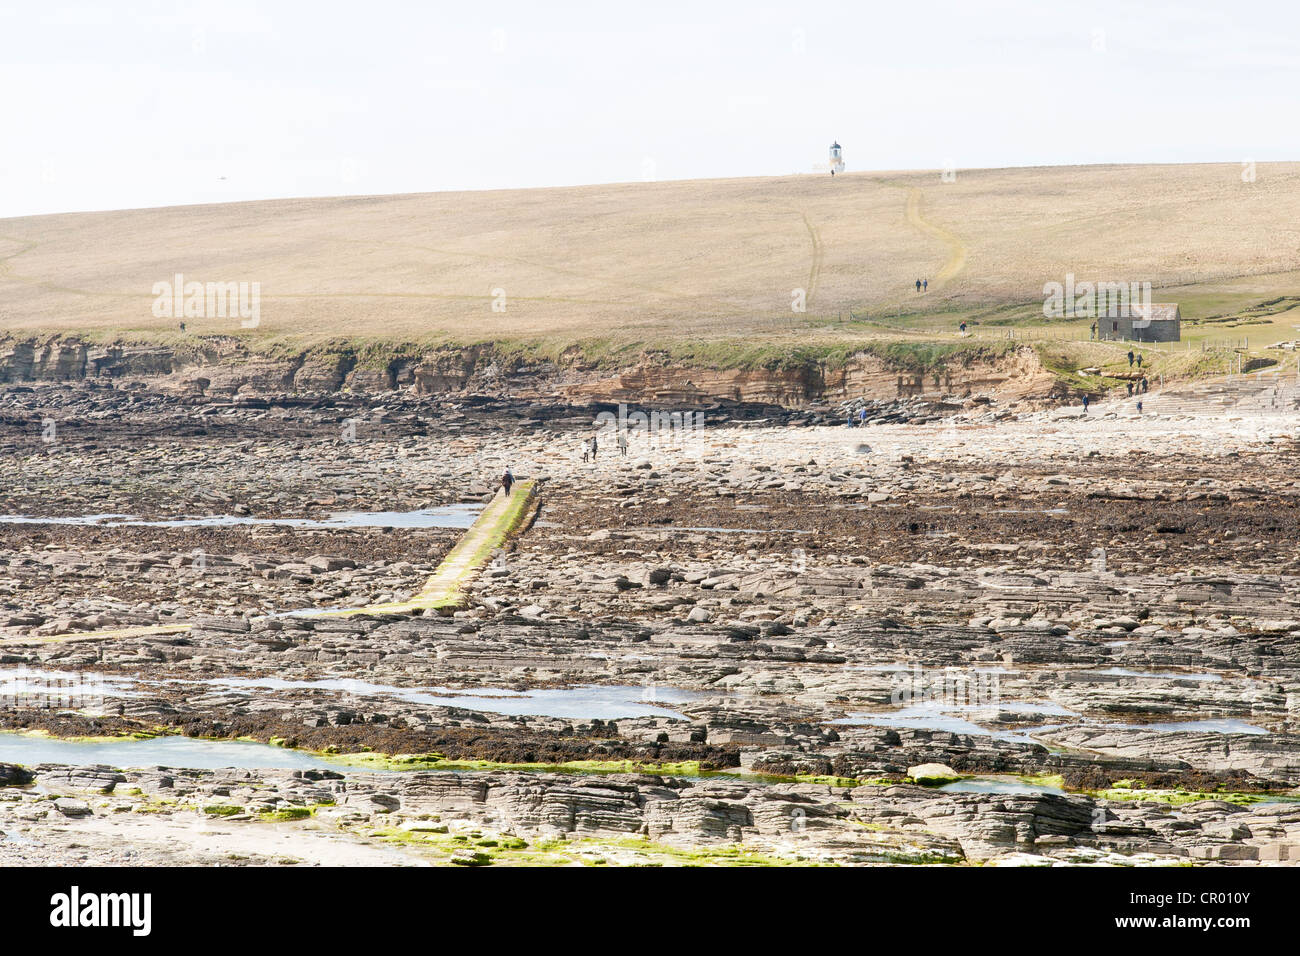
point(1157, 322)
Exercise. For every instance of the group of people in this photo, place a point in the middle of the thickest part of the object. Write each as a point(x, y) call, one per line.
point(922, 285)
point(1130, 391)
point(591, 448)
point(589, 451)
point(1138, 388)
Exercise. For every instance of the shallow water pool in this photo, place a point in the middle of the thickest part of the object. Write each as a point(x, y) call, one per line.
point(977, 785)
point(1157, 675)
point(446, 516)
point(588, 702)
point(945, 718)
point(1222, 726)
point(181, 752)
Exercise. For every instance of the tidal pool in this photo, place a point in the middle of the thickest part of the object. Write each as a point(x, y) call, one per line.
point(1159, 675)
point(182, 752)
point(1223, 726)
point(977, 785)
point(446, 516)
point(1275, 801)
point(944, 717)
point(588, 702)
point(920, 717)
point(738, 530)
point(74, 519)
point(76, 691)
point(35, 687)
point(918, 669)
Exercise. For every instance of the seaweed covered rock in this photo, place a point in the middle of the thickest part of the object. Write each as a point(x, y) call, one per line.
point(12, 775)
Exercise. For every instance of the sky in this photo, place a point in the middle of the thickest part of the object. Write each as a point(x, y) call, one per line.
point(123, 105)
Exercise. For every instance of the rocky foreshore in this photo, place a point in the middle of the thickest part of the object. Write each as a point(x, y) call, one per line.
point(160, 815)
point(1088, 624)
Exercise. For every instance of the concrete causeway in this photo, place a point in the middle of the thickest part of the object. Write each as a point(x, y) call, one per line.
point(501, 518)
point(444, 588)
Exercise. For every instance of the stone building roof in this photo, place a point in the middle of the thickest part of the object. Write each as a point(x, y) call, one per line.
point(1157, 312)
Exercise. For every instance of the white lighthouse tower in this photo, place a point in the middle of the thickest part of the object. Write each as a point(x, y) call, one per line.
point(837, 159)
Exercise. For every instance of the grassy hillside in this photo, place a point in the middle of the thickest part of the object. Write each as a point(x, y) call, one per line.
point(703, 269)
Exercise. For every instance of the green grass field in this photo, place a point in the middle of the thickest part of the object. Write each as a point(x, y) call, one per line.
point(704, 271)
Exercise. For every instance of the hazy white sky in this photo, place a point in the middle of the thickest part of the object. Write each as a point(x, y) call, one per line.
point(114, 105)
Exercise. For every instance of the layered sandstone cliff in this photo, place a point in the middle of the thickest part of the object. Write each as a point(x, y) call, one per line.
point(226, 367)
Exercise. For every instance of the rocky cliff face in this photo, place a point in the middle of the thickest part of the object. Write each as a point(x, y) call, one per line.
point(61, 360)
point(863, 376)
point(225, 367)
